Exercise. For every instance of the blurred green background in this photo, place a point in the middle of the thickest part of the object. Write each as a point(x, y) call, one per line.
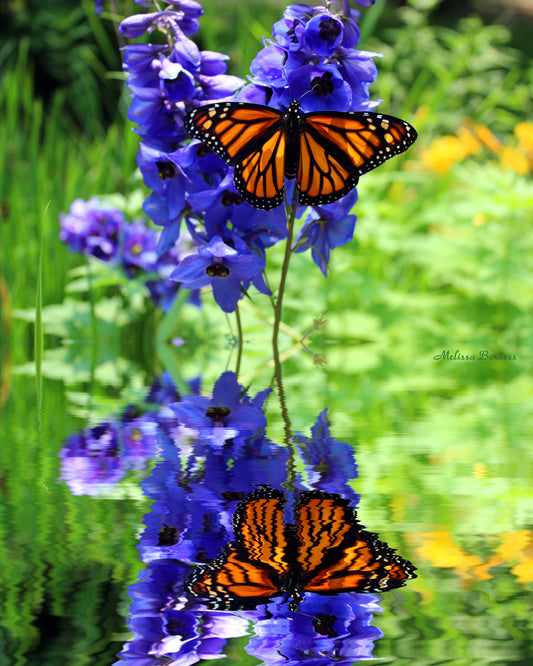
point(441, 259)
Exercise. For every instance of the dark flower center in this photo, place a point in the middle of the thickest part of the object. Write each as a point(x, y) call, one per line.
point(168, 536)
point(217, 413)
point(291, 32)
point(323, 625)
point(202, 150)
point(217, 270)
point(229, 198)
point(322, 84)
point(165, 170)
point(232, 495)
point(329, 29)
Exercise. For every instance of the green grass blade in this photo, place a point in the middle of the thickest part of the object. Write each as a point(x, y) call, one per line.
point(169, 324)
point(39, 335)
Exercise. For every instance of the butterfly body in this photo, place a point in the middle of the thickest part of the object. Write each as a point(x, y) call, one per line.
point(326, 151)
point(326, 551)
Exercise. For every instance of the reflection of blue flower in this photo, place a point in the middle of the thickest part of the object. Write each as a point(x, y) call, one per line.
point(94, 461)
point(193, 491)
point(330, 464)
point(194, 488)
point(325, 631)
point(229, 409)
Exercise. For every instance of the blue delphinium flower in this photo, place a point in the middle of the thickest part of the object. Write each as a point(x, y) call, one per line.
point(316, 44)
point(94, 228)
point(323, 34)
point(229, 270)
point(325, 228)
point(312, 58)
point(91, 228)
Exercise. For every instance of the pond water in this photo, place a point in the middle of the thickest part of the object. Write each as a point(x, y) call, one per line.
point(321, 518)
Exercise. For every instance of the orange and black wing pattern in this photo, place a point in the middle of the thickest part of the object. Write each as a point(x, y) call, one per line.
point(260, 530)
point(326, 151)
point(336, 554)
point(327, 551)
point(249, 137)
point(251, 569)
point(336, 148)
point(232, 582)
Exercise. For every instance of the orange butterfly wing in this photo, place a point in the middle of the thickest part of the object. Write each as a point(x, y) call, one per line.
point(251, 569)
point(327, 552)
point(336, 554)
point(231, 581)
point(250, 137)
point(327, 151)
point(260, 530)
point(336, 148)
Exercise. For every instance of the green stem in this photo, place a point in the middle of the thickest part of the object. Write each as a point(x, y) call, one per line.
point(288, 438)
point(289, 484)
point(284, 270)
point(240, 341)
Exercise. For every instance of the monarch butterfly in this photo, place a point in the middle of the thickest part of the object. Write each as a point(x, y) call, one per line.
point(326, 551)
point(325, 151)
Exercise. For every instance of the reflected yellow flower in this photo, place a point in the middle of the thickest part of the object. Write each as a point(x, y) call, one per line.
point(518, 546)
point(482, 572)
point(440, 549)
point(513, 543)
point(480, 469)
point(524, 571)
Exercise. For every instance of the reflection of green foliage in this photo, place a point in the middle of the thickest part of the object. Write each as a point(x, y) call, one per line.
point(64, 558)
point(486, 622)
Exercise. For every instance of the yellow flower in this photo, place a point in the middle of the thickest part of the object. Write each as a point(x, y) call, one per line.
point(514, 159)
point(443, 153)
point(524, 134)
point(440, 550)
point(446, 150)
point(471, 145)
point(513, 543)
point(488, 139)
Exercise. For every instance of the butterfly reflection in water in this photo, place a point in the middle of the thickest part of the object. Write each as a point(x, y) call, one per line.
point(326, 551)
point(326, 151)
